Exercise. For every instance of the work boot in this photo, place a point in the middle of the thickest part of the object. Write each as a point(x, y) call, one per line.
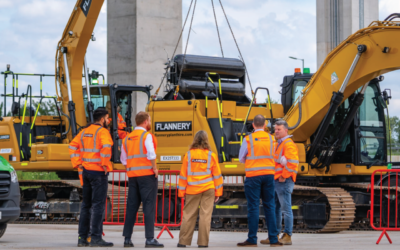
point(180, 245)
point(246, 244)
point(153, 243)
point(286, 239)
point(82, 242)
point(278, 244)
point(100, 243)
point(128, 243)
point(267, 242)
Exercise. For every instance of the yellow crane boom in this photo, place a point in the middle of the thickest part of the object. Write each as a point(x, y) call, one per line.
point(380, 57)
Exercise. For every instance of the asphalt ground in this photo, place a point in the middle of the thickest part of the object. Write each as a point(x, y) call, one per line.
point(19, 236)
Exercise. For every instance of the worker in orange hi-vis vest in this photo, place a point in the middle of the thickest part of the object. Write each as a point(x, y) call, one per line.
point(286, 167)
point(257, 152)
point(200, 182)
point(120, 121)
point(90, 152)
point(138, 155)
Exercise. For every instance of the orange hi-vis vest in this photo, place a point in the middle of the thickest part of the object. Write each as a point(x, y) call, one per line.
point(91, 148)
point(288, 149)
point(260, 156)
point(137, 162)
point(200, 172)
point(121, 127)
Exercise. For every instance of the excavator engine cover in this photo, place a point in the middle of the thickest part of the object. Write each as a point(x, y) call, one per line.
point(194, 68)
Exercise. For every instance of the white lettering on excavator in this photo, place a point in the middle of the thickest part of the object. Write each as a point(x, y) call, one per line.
point(85, 5)
point(173, 126)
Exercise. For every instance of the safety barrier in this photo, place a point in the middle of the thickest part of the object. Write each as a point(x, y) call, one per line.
point(169, 207)
point(383, 213)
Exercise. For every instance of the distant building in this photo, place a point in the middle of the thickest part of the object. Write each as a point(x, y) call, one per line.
point(338, 19)
point(140, 35)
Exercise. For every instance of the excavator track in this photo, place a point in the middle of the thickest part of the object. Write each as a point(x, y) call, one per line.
point(341, 210)
point(337, 206)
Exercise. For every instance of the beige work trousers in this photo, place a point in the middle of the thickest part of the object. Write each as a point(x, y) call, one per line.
point(206, 202)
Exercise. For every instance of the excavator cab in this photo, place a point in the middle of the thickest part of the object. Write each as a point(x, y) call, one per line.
point(292, 86)
point(117, 99)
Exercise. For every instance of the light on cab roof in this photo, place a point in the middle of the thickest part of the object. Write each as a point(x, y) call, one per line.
point(297, 70)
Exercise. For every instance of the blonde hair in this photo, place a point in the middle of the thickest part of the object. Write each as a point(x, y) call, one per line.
point(200, 141)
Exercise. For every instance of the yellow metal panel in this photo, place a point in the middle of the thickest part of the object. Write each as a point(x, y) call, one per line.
point(10, 145)
point(229, 110)
point(227, 206)
point(166, 111)
point(230, 166)
point(50, 152)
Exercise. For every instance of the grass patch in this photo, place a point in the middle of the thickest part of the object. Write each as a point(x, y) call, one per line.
point(24, 176)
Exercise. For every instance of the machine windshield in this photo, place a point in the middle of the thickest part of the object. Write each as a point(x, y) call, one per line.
point(298, 86)
point(372, 132)
point(100, 96)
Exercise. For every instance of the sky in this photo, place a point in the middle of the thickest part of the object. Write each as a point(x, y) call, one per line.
point(267, 32)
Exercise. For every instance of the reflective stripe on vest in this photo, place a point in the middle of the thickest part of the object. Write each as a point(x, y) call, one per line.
point(252, 157)
point(139, 168)
point(288, 169)
point(140, 155)
point(260, 168)
point(91, 160)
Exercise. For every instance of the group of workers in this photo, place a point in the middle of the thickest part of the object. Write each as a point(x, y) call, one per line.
point(271, 168)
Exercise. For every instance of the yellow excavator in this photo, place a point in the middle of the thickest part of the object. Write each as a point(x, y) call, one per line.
point(336, 117)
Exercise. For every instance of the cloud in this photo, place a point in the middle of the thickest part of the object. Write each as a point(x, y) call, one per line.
point(387, 7)
point(6, 3)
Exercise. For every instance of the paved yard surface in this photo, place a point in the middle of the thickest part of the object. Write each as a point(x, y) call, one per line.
point(65, 237)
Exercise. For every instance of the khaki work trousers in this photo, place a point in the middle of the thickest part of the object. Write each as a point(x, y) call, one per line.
point(206, 202)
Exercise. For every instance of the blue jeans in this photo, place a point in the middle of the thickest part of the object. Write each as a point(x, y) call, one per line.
point(263, 187)
point(283, 205)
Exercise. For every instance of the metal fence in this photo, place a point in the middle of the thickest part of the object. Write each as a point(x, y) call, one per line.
point(169, 207)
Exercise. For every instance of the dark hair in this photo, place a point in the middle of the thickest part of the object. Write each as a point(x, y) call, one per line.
point(141, 117)
point(259, 121)
point(99, 113)
point(200, 141)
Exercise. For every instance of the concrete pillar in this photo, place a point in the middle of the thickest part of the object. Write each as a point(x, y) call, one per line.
point(338, 19)
point(140, 34)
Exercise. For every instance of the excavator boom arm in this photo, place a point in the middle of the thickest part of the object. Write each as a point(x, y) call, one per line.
point(381, 40)
point(73, 44)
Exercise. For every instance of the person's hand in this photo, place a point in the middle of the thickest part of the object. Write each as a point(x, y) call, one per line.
point(281, 179)
point(105, 169)
point(155, 172)
point(283, 161)
point(216, 199)
point(80, 167)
